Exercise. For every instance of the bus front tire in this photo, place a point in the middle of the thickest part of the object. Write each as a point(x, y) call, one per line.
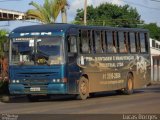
point(83, 87)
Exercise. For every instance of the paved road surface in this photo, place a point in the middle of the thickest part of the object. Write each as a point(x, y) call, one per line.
point(145, 100)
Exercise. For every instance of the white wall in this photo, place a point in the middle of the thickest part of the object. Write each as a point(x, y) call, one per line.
point(155, 66)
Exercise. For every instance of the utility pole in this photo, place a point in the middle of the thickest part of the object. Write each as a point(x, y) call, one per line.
point(85, 12)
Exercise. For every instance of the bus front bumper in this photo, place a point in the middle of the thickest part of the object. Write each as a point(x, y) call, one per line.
point(59, 88)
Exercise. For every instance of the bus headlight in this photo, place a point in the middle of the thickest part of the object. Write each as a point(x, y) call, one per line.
point(17, 81)
point(63, 80)
point(13, 81)
point(58, 80)
point(54, 80)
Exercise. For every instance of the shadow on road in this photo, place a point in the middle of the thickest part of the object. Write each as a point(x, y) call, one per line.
point(61, 98)
point(151, 89)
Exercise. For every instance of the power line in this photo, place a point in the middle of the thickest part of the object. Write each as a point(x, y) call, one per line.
point(140, 5)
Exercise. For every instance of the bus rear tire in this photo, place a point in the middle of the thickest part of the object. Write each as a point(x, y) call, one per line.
point(83, 87)
point(129, 87)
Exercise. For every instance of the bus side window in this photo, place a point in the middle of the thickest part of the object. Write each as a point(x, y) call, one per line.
point(103, 41)
point(114, 34)
point(84, 42)
point(138, 46)
point(97, 41)
point(72, 44)
point(126, 42)
point(132, 42)
point(122, 42)
point(90, 40)
point(143, 42)
point(109, 41)
point(105, 44)
point(146, 42)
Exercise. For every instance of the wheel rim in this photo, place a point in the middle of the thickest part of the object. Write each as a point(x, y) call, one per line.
point(83, 88)
point(130, 85)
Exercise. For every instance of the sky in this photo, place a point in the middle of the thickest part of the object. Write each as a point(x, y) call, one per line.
point(148, 9)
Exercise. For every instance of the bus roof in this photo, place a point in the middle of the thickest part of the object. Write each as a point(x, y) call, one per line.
point(65, 27)
point(44, 28)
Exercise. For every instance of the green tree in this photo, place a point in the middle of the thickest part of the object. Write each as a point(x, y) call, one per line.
point(3, 40)
point(110, 15)
point(49, 12)
point(63, 4)
point(153, 29)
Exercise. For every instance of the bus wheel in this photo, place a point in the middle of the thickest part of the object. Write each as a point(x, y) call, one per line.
point(83, 87)
point(32, 98)
point(129, 87)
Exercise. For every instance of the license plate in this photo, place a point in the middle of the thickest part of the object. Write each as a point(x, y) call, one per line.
point(35, 89)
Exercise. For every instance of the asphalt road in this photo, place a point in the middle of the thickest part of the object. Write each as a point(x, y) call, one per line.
point(145, 100)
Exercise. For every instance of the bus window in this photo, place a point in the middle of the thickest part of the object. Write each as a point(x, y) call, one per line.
point(122, 42)
point(128, 38)
point(114, 34)
point(126, 42)
point(138, 45)
point(90, 41)
point(143, 42)
point(84, 43)
point(103, 41)
point(146, 42)
point(72, 44)
point(110, 46)
point(97, 41)
point(132, 42)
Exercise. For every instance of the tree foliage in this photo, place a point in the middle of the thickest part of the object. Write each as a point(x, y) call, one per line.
point(49, 12)
point(3, 40)
point(154, 30)
point(110, 15)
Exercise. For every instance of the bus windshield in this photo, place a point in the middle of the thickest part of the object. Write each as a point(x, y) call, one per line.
point(39, 51)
